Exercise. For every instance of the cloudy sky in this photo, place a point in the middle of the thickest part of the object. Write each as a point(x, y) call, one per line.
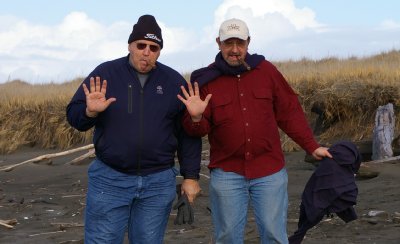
point(54, 41)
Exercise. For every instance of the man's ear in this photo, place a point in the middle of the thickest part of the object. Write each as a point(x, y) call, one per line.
point(218, 42)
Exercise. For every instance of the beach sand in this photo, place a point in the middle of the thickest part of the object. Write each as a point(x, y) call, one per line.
point(48, 203)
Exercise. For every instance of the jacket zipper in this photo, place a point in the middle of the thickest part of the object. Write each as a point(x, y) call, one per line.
point(140, 130)
point(129, 99)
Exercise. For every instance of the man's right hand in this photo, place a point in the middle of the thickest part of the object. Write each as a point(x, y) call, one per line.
point(193, 102)
point(96, 97)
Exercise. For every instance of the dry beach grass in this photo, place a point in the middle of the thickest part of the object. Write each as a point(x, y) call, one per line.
point(349, 89)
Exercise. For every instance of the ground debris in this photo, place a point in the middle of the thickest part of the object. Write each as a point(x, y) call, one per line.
point(8, 223)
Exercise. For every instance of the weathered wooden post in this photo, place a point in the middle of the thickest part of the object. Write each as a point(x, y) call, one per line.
point(383, 132)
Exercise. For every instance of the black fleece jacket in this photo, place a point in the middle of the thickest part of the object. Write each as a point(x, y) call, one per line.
point(141, 132)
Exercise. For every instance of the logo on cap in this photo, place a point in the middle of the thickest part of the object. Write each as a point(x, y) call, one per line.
point(152, 36)
point(233, 27)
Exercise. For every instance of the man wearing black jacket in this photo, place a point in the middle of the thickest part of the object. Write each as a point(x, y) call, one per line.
point(131, 103)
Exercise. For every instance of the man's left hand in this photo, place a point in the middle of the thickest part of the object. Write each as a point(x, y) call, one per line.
point(191, 188)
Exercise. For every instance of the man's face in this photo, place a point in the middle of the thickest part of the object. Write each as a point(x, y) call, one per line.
point(143, 55)
point(233, 50)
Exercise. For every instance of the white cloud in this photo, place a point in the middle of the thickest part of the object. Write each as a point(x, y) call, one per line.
point(177, 39)
point(77, 32)
point(279, 30)
point(299, 18)
point(47, 53)
point(269, 21)
point(390, 24)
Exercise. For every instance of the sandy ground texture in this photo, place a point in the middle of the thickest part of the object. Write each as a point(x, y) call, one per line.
point(48, 201)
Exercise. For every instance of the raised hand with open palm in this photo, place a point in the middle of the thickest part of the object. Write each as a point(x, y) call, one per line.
point(96, 101)
point(193, 102)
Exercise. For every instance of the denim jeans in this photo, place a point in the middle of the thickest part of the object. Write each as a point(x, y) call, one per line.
point(118, 202)
point(230, 194)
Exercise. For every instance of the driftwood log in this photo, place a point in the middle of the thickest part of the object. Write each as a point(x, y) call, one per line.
point(63, 226)
point(45, 157)
point(78, 160)
point(394, 159)
point(383, 134)
point(9, 223)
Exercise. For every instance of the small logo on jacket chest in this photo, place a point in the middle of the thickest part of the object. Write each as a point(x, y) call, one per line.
point(159, 90)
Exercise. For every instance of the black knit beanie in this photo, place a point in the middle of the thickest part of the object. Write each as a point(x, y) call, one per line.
point(146, 29)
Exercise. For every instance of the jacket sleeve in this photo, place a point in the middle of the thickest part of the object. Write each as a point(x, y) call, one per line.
point(189, 151)
point(290, 115)
point(76, 110)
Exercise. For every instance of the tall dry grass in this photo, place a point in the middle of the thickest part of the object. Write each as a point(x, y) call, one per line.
point(34, 115)
point(350, 90)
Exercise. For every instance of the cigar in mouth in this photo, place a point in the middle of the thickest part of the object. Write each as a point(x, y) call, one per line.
point(244, 63)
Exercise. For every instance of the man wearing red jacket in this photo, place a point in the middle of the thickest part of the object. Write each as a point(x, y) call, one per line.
point(250, 101)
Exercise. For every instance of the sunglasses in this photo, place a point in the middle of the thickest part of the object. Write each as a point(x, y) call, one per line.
point(153, 48)
point(230, 43)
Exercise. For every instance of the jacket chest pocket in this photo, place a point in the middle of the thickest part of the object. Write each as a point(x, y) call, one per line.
point(263, 103)
point(222, 109)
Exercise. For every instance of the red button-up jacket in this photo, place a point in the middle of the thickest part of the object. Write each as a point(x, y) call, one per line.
point(242, 121)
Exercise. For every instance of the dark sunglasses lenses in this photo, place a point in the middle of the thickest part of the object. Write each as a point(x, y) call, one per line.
point(142, 46)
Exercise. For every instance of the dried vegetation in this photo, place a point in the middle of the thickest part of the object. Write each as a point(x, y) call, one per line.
point(34, 115)
point(345, 94)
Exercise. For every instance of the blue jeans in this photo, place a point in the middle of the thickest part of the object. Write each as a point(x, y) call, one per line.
point(118, 202)
point(230, 194)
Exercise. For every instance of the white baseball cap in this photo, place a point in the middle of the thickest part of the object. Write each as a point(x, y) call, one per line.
point(233, 28)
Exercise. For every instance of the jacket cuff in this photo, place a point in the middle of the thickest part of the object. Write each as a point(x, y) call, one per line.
point(192, 177)
point(312, 147)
